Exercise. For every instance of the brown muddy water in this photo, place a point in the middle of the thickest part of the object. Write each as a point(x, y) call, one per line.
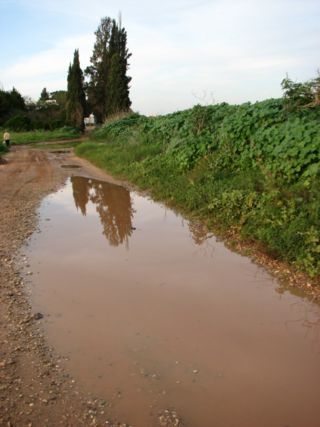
point(152, 314)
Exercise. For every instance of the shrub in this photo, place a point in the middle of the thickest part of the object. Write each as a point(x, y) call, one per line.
point(3, 148)
point(19, 123)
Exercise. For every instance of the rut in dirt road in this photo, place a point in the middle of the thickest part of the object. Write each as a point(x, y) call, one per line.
point(34, 388)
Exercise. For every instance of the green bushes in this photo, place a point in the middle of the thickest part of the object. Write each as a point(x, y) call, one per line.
point(253, 167)
point(3, 148)
point(18, 123)
point(117, 128)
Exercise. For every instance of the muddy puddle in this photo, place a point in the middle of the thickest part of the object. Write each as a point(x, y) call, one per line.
point(154, 314)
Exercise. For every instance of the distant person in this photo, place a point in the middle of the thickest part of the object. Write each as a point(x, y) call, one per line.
point(6, 138)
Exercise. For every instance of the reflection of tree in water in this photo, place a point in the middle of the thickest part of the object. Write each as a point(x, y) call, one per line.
point(199, 232)
point(80, 193)
point(113, 204)
point(201, 237)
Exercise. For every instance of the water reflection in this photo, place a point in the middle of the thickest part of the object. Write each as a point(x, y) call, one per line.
point(112, 202)
point(170, 325)
point(199, 232)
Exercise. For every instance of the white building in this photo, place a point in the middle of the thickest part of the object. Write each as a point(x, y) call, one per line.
point(89, 121)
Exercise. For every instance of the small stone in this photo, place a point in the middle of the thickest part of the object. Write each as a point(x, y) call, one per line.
point(38, 316)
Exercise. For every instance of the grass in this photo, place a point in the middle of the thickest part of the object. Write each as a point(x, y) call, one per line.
point(18, 138)
point(56, 146)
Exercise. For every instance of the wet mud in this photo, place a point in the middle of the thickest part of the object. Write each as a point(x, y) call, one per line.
point(160, 319)
point(35, 389)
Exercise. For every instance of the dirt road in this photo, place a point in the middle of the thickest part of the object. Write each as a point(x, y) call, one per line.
point(34, 389)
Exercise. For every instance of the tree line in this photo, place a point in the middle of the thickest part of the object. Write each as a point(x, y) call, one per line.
point(22, 113)
point(102, 88)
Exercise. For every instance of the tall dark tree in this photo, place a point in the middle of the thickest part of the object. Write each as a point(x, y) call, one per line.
point(98, 71)
point(44, 96)
point(114, 85)
point(118, 81)
point(76, 100)
point(108, 86)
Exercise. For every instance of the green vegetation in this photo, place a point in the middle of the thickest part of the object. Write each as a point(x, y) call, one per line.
point(11, 104)
point(24, 114)
point(301, 94)
point(252, 169)
point(3, 149)
point(56, 146)
point(42, 135)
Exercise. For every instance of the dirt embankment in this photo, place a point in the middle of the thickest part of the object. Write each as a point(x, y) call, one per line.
point(34, 388)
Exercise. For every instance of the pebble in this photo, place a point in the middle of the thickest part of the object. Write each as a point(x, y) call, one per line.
point(38, 316)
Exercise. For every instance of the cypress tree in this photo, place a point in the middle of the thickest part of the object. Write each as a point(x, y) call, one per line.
point(108, 86)
point(114, 85)
point(98, 71)
point(124, 56)
point(76, 101)
point(118, 81)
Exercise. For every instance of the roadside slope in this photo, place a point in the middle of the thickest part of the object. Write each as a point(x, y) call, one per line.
point(251, 172)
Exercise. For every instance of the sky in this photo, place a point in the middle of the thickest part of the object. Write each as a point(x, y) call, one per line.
point(184, 52)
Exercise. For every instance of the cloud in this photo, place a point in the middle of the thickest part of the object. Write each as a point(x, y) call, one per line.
point(237, 49)
point(30, 73)
point(264, 62)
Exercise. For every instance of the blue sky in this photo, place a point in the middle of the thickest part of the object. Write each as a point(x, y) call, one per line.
point(183, 51)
